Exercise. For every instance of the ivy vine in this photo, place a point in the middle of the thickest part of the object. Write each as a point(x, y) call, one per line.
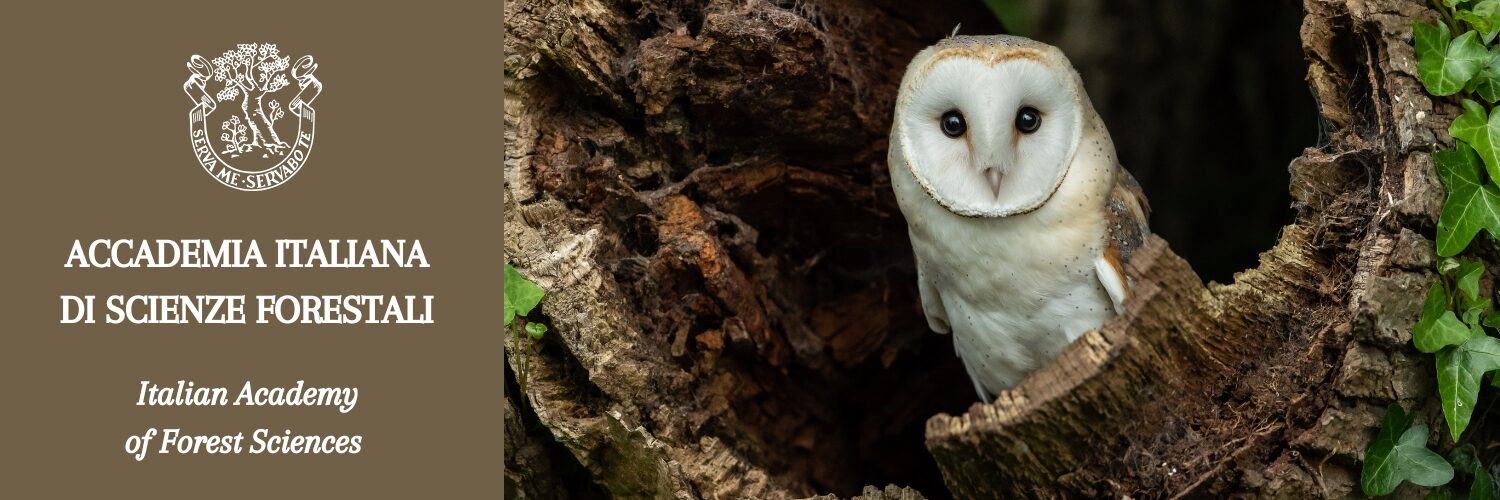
point(1457, 320)
point(521, 296)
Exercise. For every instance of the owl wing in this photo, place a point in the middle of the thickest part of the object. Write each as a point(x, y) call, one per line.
point(937, 320)
point(1126, 227)
point(932, 302)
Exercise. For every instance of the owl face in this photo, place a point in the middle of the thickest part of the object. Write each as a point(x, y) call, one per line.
point(988, 125)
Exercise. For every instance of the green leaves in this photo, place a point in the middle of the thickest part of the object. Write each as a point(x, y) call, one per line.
point(1464, 352)
point(1439, 327)
point(1471, 303)
point(1484, 17)
point(1417, 463)
point(1467, 278)
point(1399, 453)
point(521, 296)
point(1466, 459)
point(1445, 331)
point(1481, 131)
point(1486, 84)
point(1471, 205)
point(1431, 42)
point(1461, 369)
point(535, 330)
point(1455, 314)
point(1446, 65)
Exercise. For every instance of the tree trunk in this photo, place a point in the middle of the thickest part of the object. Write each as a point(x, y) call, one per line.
point(260, 109)
point(255, 137)
point(700, 187)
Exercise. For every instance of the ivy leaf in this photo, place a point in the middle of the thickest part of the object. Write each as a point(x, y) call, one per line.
point(521, 296)
point(1442, 332)
point(1390, 459)
point(1482, 131)
point(1461, 369)
point(1467, 281)
point(1437, 300)
point(1471, 204)
point(1479, 23)
point(1423, 466)
point(1431, 42)
point(536, 330)
point(1486, 83)
point(1482, 17)
point(1443, 65)
point(1378, 476)
point(1439, 327)
point(1447, 265)
point(1469, 271)
point(1483, 487)
point(1487, 15)
point(1466, 459)
point(1472, 313)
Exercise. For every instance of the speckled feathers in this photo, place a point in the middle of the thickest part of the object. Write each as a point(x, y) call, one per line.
point(1019, 233)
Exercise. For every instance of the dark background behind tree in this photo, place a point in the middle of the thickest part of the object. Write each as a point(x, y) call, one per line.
point(1208, 104)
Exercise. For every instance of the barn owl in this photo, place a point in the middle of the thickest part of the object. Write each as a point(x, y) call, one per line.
point(1020, 218)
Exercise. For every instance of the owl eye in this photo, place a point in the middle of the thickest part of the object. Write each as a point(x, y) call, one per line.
point(1028, 119)
point(953, 123)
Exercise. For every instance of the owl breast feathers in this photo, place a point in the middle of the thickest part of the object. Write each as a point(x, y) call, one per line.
point(1020, 216)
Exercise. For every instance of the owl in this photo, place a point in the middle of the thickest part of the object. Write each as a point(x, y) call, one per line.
point(1019, 215)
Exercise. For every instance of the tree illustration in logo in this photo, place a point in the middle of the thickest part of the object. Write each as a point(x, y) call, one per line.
point(249, 72)
point(252, 121)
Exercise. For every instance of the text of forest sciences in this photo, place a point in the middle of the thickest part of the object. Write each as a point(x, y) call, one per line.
point(262, 442)
point(217, 309)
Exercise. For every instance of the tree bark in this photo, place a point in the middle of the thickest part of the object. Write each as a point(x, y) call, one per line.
point(700, 188)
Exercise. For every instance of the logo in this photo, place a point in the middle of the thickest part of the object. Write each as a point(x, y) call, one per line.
point(251, 125)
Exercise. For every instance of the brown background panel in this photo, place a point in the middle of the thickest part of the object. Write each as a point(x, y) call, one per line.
point(408, 145)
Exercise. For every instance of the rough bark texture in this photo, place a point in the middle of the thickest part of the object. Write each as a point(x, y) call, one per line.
point(700, 187)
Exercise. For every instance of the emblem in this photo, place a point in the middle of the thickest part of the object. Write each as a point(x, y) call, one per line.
point(251, 125)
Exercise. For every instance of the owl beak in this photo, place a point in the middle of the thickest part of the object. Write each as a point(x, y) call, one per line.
point(993, 174)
